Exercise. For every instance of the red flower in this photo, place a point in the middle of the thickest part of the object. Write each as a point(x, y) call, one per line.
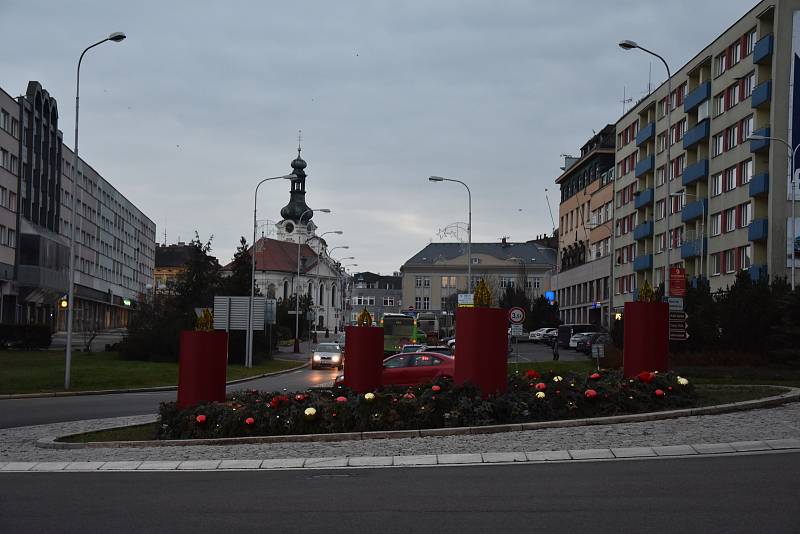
point(249, 421)
point(646, 376)
point(277, 400)
point(595, 376)
point(341, 399)
point(409, 396)
point(659, 393)
point(201, 419)
point(590, 393)
point(299, 397)
point(541, 386)
point(558, 392)
point(436, 387)
point(531, 374)
point(669, 388)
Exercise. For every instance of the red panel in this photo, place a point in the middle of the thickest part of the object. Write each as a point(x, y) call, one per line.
point(363, 358)
point(646, 332)
point(203, 367)
point(482, 345)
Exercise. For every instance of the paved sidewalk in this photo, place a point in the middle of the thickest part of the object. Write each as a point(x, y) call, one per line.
point(780, 423)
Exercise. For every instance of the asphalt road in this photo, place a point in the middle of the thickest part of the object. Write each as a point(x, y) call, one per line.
point(706, 495)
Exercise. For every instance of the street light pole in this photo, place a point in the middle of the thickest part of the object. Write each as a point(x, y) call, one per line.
point(629, 45)
point(115, 37)
point(469, 226)
point(297, 283)
point(248, 358)
point(792, 156)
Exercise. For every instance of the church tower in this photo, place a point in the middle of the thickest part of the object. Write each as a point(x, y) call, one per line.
point(297, 225)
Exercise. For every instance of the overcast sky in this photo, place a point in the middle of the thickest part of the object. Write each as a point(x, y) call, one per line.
point(204, 99)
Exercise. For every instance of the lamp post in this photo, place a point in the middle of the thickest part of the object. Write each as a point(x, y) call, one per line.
point(469, 226)
point(297, 283)
point(702, 227)
point(248, 358)
point(792, 152)
point(342, 296)
point(630, 45)
point(316, 273)
point(115, 37)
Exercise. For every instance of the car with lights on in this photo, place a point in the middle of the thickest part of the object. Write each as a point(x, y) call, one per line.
point(328, 355)
point(414, 368)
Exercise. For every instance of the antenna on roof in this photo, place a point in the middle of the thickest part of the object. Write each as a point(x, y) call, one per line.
point(625, 100)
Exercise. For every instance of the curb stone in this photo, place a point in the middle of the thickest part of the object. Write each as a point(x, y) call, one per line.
point(779, 446)
point(792, 395)
point(139, 390)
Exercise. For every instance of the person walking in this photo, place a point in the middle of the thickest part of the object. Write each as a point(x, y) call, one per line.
point(555, 348)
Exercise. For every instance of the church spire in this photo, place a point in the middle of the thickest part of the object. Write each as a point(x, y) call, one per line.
point(297, 200)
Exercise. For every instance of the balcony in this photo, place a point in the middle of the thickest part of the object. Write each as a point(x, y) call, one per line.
point(694, 210)
point(643, 230)
point(699, 95)
point(695, 171)
point(759, 230)
point(643, 263)
point(648, 132)
point(694, 248)
point(759, 185)
point(759, 145)
point(645, 165)
point(644, 198)
point(761, 95)
point(696, 134)
point(763, 50)
point(758, 272)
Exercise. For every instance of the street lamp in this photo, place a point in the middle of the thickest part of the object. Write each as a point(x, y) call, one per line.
point(115, 37)
point(792, 152)
point(321, 304)
point(297, 283)
point(469, 226)
point(702, 226)
point(248, 358)
point(630, 45)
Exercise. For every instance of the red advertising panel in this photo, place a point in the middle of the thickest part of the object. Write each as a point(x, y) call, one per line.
point(677, 282)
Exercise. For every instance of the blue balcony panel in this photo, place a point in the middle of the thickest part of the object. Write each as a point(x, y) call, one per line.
point(697, 134)
point(648, 132)
point(761, 95)
point(699, 94)
point(645, 165)
point(695, 171)
point(643, 230)
point(763, 49)
point(758, 272)
point(694, 248)
point(759, 145)
point(643, 263)
point(644, 198)
point(759, 185)
point(694, 210)
point(759, 230)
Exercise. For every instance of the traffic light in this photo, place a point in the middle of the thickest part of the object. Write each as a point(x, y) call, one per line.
point(63, 303)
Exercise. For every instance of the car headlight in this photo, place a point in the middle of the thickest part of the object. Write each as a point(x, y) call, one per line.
point(316, 358)
point(335, 358)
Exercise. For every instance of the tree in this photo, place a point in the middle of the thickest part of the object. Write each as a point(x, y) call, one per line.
point(238, 283)
point(702, 323)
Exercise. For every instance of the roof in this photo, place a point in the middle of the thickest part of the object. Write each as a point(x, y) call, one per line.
point(531, 253)
point(275, 255)
point(370, 278)
point(172, 255)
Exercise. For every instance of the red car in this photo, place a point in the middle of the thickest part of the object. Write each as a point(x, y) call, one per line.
point(414, 368)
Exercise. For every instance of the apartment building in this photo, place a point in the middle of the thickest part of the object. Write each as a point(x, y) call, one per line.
point(9, 175)
point(114, 240)
point(718, 190)
point(586, 216)
point(379, 294)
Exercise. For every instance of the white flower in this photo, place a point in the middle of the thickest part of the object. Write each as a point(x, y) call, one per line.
point(369, 396)
point(557, 378)
point(540, 395)
point(682, 381)
point(310, 412)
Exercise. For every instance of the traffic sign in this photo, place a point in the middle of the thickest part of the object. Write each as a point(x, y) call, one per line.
point(516, 315)
point(516, 329)
point(675, 303)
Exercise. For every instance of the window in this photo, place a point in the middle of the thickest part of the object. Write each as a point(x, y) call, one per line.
point(720, 64)
point(736, 53)
point(747, 85)
point(676, 237)
point(746, 171)
point(745, 259)
point(418, 281)
point(715, 264)
point(729, 219)
point(732, 96)
point(716, 224)
point(730, 260)
point(662, 108)
point(729, 179)
point(677, 166)
point(750, 40)
point(5, 120)
point(661, 242)
point(731, 137)
point(716, 184)
point(719, 104)
point(418, 303)
point(660, 173)
point(702, 111)
point(12, 238)
point(745, 215)
point(745, 128)
point(506, 282)
point(426, 303)
point(660, 209)
point(718, 144)
point(661, 142)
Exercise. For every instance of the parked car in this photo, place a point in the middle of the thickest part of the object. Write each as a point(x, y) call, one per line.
point(451, 342)
point(566, 331)
point(327, 355)
point(577, 338)
point(413, 348)
point(410, 369)
point(598, 338)
point(550, 336)
point(440, 349)
point(540, 335)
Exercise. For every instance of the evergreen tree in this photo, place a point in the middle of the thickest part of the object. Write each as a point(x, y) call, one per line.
point(238, 283)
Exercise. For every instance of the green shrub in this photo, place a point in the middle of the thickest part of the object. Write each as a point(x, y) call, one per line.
point(25, 336)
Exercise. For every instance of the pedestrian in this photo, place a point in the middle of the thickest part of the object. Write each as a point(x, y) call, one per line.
point(555, 348)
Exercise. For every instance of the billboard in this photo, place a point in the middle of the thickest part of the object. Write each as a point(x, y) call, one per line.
point(793, 243)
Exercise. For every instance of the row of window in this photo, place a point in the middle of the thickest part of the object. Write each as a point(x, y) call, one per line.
point(8, 199)
point(628, 164)
point(8, 123)
point(732, 136)
point(626, 195)
point(628, 134)
point(364, 300)
point(626, 224)
point(740, 48)
point(731, 260)
point(731, 219)
point(9, 161)
point(731, 178)
point(625, 284)
point(8, 237)
point(626, 254)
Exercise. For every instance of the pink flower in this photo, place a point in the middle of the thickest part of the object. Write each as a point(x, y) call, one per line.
point(590, 394)
point(249, 421)
point(660, 393)
point(595, 376)
point(341, 399)
point(201, 419)
point(436, 387)
point(541, 386)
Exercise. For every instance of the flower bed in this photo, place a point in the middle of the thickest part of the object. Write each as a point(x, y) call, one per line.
point(530, 397)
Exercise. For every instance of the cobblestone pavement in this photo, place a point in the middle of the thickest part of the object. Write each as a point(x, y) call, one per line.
point(18, 444)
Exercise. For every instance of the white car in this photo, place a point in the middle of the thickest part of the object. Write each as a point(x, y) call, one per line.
point(540, 334)
point(327, 355)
